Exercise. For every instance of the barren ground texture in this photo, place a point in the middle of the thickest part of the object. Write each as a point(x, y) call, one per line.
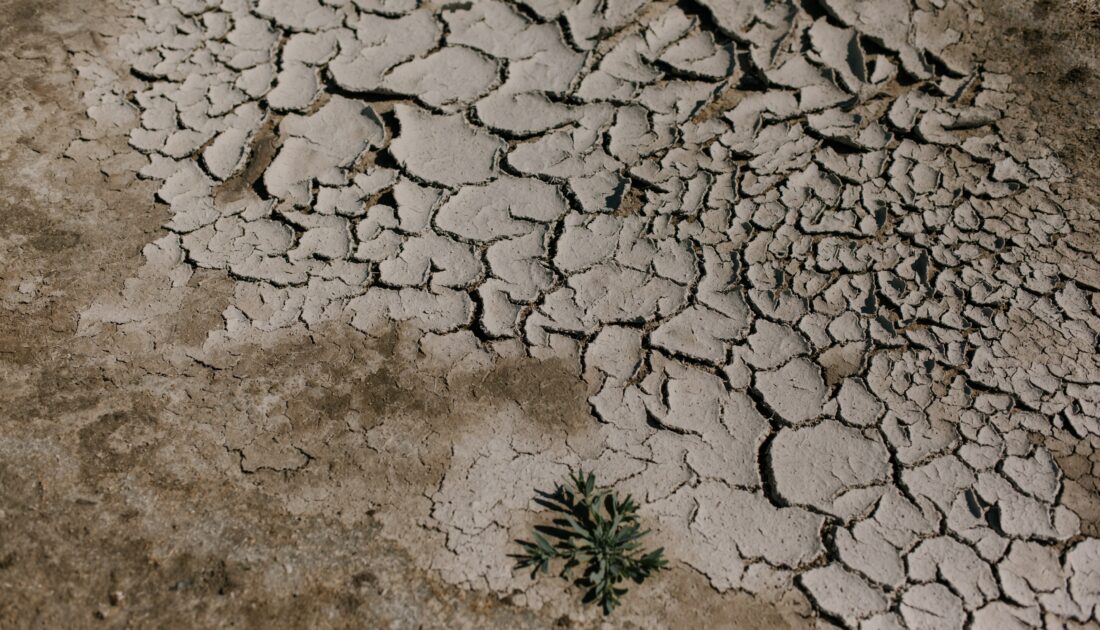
point(816, 282)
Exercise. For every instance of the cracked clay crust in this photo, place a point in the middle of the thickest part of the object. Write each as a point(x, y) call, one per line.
point(819, 291)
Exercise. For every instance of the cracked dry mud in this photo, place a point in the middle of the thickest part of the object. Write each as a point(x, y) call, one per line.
point(817, 282)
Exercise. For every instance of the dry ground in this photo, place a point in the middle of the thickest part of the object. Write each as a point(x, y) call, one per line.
point(122, 500)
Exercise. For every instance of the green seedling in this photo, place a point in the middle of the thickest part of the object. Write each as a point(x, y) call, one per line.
point(596, 530)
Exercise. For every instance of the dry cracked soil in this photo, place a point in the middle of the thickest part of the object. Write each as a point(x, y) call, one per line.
point(302, 300)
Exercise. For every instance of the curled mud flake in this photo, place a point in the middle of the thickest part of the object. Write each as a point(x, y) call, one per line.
point(444, 149)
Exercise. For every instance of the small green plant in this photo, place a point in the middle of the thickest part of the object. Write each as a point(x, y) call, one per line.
point(596, 529)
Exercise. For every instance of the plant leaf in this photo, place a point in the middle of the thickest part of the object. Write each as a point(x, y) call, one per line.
point(596, 531)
